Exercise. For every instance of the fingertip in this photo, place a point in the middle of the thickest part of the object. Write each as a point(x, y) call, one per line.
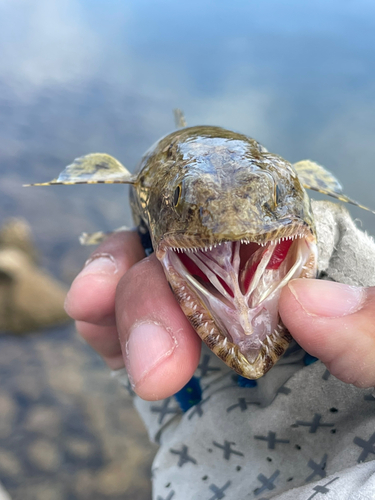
point(341, 335)
point(311, 332)
point(163, 383)
point(288, 304)
point(91, 298)
point(169, 374)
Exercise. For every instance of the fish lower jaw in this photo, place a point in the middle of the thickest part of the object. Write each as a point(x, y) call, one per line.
point(230, 296)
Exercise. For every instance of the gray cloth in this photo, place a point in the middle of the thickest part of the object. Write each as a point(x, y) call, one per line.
point(298, 434)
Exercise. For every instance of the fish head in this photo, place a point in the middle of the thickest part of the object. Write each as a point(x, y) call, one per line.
point(231, 224)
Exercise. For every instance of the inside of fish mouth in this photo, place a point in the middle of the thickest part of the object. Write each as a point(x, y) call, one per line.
point(240, 283)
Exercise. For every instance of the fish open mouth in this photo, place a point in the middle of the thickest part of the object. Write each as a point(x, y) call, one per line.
point(229, 291)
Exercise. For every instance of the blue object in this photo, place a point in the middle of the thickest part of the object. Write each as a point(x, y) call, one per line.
point(245, 382)
point(190, 395)
point(145, 237)
point(308, 359)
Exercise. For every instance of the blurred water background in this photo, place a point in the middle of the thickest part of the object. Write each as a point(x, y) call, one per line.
point(80, 76)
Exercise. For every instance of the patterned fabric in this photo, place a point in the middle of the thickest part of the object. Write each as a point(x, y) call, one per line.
point(297, 434)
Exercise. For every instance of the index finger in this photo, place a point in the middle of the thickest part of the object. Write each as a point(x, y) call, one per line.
point(91, 298)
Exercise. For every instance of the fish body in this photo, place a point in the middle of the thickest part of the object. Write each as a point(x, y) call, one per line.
point(231, 224)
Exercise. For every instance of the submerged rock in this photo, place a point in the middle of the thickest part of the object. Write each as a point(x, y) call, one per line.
point(30, 298)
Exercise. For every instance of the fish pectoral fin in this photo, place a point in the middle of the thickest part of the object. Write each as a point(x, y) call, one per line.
point(94, 168)
point(314, 176)
point(98, 237)
point(179, 118)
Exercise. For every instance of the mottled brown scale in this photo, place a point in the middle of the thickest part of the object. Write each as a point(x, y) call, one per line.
point(206, 186)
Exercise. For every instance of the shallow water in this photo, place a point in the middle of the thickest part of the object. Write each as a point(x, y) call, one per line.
point(78, 76)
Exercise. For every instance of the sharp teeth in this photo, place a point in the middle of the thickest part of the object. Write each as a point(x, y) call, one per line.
point(212, 331)
point(206, 324)
point(225, 342)
point(201, 317)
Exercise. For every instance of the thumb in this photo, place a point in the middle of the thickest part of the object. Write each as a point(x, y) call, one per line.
point(335, 323)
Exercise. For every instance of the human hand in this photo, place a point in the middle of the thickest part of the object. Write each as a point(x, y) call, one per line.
point(335, 323)
point(125, 310)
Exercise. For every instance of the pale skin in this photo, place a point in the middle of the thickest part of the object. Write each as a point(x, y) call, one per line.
point(125, 310)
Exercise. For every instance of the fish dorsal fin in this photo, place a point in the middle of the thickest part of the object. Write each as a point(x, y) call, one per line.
point(179, 118)
point(94, 168)
point(314, 176)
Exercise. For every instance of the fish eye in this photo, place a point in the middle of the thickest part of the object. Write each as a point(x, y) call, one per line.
point(177, 195)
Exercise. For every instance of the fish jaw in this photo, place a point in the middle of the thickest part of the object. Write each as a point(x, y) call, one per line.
point(229, 291)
